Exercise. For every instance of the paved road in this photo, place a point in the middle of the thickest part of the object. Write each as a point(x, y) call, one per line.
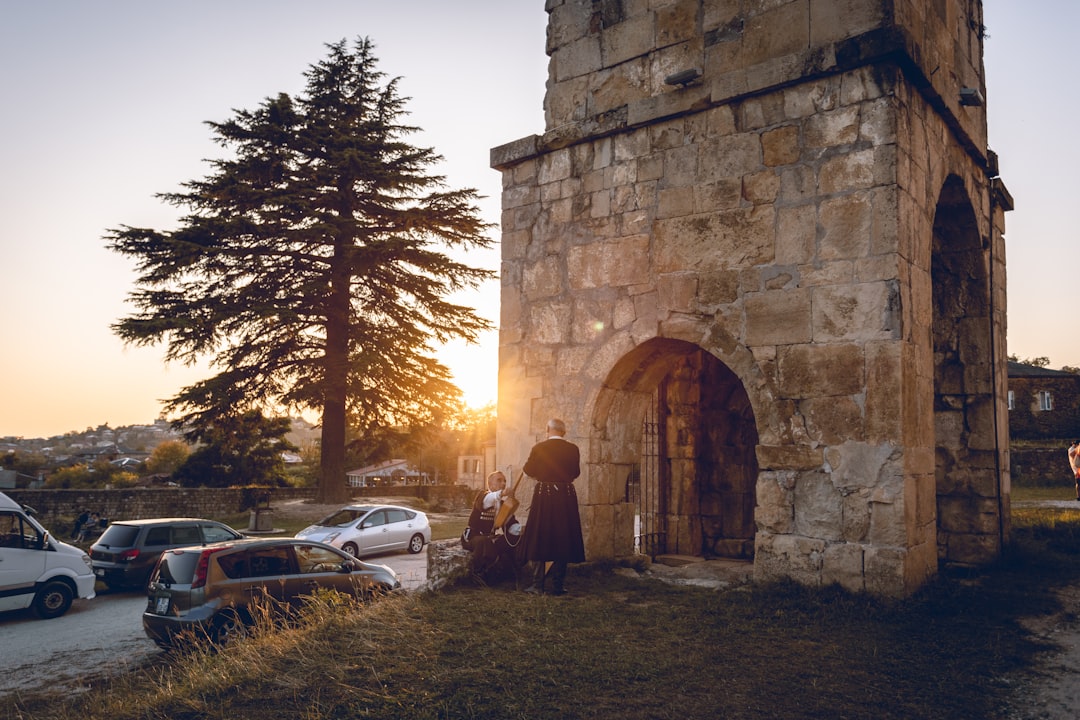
point(105, 636)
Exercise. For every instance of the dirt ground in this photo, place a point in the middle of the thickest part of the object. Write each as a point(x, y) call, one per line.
point(1054, 694)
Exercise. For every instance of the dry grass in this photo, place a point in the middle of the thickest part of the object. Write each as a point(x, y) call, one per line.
point(627, 648)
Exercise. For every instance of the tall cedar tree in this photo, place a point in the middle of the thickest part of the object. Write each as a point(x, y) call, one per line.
point(313, 268)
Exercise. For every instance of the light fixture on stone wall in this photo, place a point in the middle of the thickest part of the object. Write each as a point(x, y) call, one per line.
point(971, 96)
point(683, 77)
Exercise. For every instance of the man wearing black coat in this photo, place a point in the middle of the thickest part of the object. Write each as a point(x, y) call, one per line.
point(553, 530)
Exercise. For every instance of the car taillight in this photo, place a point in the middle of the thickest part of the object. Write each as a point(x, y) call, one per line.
point(203, 566)
point(129, 555)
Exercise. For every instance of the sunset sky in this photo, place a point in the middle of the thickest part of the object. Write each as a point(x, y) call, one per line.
point(105, 103)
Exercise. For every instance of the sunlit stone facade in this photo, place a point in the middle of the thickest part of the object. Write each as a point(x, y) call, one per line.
point(769, 301)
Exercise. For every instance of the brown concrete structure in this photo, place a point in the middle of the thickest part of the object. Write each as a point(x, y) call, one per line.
point(756, 262)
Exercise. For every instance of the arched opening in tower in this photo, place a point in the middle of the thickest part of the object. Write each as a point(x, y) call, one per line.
point(677, 429)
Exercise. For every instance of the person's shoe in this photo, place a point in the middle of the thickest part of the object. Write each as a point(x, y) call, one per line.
point(533, 590)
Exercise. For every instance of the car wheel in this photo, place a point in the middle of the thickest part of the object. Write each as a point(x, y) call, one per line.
point(228, 626)
point(350, 548)
point(416, 543)
point(53, 599)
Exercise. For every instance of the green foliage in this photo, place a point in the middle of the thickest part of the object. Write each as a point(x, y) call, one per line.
point(27, 463)
point(1041, 361)
point(243, 449)
point(313, 266)
point(167, 457)
point(100, 474)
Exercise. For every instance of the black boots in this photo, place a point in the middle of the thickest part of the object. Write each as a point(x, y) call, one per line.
point(539, 576)
point(537, 586)
point(558, 575)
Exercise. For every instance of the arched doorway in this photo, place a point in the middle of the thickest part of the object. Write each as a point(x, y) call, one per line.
point(967, 475)
point(677, 438)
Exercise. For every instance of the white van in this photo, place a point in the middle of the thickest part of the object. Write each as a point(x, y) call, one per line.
point(36, 569)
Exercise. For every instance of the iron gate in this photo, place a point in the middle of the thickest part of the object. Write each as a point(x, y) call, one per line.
point(648, 486)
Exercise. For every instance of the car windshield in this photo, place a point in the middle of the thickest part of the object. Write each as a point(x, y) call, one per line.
point(345, 516)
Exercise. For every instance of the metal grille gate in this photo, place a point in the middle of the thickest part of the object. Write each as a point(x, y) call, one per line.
point(649, 489)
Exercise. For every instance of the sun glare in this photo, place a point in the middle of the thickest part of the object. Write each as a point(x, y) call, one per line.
point(475, 369)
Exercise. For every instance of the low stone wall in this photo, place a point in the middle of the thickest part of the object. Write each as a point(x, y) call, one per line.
point(1040, 467)
point(440, 498)
point(59, 507)
point(447, 561)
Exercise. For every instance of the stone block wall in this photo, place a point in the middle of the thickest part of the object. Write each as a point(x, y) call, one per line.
point(1042, 467)
point(790, 214)
point(57, 506)
point(54, 506)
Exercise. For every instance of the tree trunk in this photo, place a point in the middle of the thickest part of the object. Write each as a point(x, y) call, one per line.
point(332, 488)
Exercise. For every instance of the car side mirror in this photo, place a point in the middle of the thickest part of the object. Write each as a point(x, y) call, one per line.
point(347, 567)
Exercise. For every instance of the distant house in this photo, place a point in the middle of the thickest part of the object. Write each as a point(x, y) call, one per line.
point(1044, 404)
point(386, 473)
point(127, 463)
point(472, 470)
point(90, 455)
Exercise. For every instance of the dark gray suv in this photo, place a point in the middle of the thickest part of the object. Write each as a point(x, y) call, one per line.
point(210, 591)
point(125, 554)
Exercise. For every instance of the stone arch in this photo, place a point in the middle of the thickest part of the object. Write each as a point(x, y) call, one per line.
point(965, 435)
point(706, 450)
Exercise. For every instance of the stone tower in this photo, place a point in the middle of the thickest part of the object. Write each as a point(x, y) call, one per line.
point(755, 261)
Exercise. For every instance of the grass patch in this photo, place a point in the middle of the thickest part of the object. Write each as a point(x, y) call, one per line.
point(627, 648)
point(1040, 492)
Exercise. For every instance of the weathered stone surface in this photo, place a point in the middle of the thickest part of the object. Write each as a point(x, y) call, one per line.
point(858, 312)
point(446, 561)
point(620, 261)
point(789, 457)
point(821, 370)
point(787, 255)
point(782, 316)
point(833, 420)
point(788, 556)
point(818, 507)
point(846, 226)
point(842, 564)
point(781, 146)
point(775, 509)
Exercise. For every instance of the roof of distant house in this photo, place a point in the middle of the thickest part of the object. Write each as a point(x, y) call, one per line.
point(379, 468)
point(1021, 370)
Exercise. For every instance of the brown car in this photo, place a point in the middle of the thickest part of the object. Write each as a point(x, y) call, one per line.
point(209, 591)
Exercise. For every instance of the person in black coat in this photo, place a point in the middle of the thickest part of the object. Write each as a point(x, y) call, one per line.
point(553, 529)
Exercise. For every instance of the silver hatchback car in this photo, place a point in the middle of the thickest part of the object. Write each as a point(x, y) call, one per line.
point(372, 529)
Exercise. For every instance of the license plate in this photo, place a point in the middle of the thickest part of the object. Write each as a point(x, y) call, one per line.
point(162, 606)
